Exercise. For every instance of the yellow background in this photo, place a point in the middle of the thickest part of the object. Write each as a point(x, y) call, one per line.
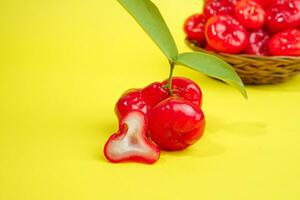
point(63, 65)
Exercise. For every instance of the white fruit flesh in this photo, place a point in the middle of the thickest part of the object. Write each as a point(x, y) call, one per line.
point(132, 143)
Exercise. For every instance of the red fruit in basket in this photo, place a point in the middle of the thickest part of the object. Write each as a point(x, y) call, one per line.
point(209, 48)
point(250, 14)
point(263, 3)
point(130, 143)
point(283, 15)
point(187, 89)
point(175, 124)
point(285, 43)
point(140, 99)
point(217, 7)
point(258, 43)
point(225, 34)
point(194, 28)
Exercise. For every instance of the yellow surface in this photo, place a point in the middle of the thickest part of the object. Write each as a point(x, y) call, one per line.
point(63, 65)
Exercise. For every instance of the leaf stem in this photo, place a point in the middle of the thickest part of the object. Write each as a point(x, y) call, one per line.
point(169, 83)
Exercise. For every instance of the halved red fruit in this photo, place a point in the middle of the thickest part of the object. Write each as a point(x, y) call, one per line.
point(130, 143)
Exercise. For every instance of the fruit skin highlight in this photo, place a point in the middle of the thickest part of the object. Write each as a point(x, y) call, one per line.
point(175, 124)
point(258, 43)
point(130, 143)
point(187, 89)
point(140, 99)
point(250, 14)
point(146, 98)
point(285, 43)
point(283, 15)
point(194, 28)
point(218, 7)
point(225, 34)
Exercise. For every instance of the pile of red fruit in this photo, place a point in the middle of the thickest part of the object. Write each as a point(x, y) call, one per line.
point(152, 118)
point(257, 27)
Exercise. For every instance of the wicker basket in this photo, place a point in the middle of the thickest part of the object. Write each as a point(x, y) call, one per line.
point(257, 70)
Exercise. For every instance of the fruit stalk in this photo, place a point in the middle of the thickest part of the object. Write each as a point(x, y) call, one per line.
point(169, 83)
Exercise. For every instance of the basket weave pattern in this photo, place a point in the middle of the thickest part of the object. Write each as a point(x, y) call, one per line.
point(257, 70)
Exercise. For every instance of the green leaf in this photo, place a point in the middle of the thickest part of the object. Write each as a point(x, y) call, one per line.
point(212, 66)
point(149, 18)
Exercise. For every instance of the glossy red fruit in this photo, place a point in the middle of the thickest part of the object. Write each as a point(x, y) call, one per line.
point(187, 89)
point(175, 124)
point(263, 3)
point(250, 14)
point(283, 15)
point(154, 93)
point(225, 34)
point(130, 143)
point(140, 99)
point(209, 48)
point(218, 7)
point(285, 43)
point(258, 43)
point(194, 28)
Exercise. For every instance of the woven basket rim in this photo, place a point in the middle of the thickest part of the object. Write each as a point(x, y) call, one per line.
point(193, 45)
